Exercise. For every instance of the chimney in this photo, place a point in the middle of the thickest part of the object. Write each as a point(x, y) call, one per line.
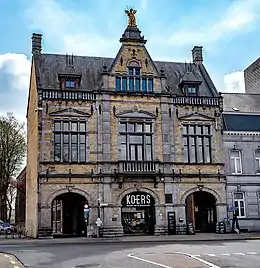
point(197, 56)
point(36, 44)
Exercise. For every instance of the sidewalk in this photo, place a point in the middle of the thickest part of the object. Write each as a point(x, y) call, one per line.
point(135, 239)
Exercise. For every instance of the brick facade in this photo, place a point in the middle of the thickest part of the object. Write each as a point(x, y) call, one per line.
point(103, 176)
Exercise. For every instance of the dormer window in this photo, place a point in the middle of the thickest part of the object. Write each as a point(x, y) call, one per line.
point(190, 81)
point(191, 91)
point(70, 84)
point(69, 81)
point(134, 81)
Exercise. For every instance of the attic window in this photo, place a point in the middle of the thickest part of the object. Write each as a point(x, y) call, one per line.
point(191, 91)
point(69, 81)
point(70, 84)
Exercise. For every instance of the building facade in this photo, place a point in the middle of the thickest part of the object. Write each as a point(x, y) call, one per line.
point(242, 151)
point(133, 142)
point(20, 199)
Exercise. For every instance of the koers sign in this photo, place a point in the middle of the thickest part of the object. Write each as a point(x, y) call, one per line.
point(138, 200)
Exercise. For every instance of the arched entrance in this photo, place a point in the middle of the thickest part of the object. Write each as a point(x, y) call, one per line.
point(138, 213)
point(201, 211)
point(68, 215)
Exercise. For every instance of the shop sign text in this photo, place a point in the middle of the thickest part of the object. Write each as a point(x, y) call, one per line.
point(138, 200)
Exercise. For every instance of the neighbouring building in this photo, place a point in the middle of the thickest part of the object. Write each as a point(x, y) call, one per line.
point(252, 77)
point(242, 149)
point(20, 199)
point(133, 142)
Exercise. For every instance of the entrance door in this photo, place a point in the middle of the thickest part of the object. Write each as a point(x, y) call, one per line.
point(201, 210)
point(138, 217)
point(68, 215)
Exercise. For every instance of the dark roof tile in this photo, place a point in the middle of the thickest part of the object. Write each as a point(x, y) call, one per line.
point(51, 65)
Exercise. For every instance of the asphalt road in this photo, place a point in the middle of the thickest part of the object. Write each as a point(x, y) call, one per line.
point(237, 254)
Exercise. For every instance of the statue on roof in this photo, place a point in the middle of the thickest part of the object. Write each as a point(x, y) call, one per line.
point(131, 17)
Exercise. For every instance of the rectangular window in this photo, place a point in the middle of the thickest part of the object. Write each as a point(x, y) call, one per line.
point(69, 141)
point(144, 84)
point(191, 91)
point(197, 143)
point(124, 83)
point(239, 202)
point(257, 161)
point(118, 83)
point(150, 85)
point(70, 84)
point(131, 71)
point(136, 141)
point(137, 84)
point(168, 198)
point(236, 162)
point(131, 83)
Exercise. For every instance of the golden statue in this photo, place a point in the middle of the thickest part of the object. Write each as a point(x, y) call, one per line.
point(131, 17)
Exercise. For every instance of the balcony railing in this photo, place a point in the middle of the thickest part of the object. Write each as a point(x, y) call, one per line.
point(50, 94)
point(198, 101)
point(138, 166)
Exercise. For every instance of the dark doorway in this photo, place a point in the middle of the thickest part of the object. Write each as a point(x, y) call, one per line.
point(68, 215)
point(201, 211)
point(138, 214)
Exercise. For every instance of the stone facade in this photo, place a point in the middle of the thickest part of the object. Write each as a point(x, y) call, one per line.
point(241, 144)
point(104, 177)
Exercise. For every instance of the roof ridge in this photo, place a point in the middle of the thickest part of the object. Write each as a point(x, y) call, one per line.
point(239, 93)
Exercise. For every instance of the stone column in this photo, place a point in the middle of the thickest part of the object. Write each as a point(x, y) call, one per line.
point(160, 219)
point(221, 209)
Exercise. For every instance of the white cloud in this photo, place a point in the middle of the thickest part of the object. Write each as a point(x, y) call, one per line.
point(238, 16)
point(17, 66)
point(234, 82)
point(14, 84)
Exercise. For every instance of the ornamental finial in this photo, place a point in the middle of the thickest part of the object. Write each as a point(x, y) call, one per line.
point(131, 17)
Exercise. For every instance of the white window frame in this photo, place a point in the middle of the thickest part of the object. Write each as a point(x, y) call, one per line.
point(235, 159)
point(257, 161)
point(238, 200)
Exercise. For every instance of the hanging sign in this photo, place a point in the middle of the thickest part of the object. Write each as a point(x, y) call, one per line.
point(138, 200)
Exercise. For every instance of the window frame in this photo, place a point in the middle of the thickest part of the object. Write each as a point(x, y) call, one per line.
point(134, 81)
point(257, 161)
point(145, 144)
point(239, 207)
point(235, 161)
point(65, 132)
point(192, 145)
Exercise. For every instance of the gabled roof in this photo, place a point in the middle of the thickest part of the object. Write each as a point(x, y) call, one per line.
point(51, 65)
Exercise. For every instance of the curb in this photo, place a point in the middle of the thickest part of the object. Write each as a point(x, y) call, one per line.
point(113, 241)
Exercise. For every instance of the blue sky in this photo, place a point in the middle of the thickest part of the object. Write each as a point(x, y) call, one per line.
point(228, 30)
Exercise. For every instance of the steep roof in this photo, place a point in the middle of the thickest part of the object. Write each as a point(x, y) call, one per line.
point(51, 65)
point(241, 102)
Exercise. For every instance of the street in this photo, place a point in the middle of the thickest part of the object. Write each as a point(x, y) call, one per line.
point(215, 254)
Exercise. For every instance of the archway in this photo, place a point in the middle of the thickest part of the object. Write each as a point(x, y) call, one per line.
point(68, 214)
point(201, 211)
point(138, 213)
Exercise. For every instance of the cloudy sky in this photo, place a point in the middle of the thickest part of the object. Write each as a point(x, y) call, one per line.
point(228, 30)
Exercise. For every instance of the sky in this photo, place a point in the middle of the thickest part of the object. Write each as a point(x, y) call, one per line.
point(228, 30)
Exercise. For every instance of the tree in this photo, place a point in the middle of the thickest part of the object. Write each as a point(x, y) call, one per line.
point(12, 153)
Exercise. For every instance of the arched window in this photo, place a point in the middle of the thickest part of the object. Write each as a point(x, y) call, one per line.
point(134, 81)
